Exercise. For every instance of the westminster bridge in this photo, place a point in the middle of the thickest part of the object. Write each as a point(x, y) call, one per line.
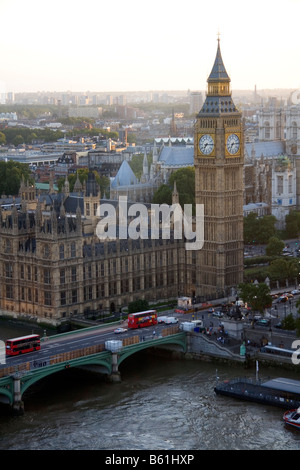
point(103, 357)
point(98, 351)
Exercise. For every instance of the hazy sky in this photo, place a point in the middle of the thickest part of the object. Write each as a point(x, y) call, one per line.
point(123, 45)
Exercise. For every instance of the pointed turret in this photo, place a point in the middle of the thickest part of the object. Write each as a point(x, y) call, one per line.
point(66, 189)
point(218, 97)
point(175, 195)
point(218, 72)
point(77, 185)
point(145, 167)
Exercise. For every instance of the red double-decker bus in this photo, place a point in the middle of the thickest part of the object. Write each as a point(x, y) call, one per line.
point(142, 319)
point(23, 344)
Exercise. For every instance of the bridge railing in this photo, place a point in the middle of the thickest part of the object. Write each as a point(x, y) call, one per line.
point(86, 351)
point(68, 356)
point(12, 369)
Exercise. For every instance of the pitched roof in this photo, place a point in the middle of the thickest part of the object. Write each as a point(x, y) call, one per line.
point(177, 156)
point(218, 72)
point(267, 149)
point(214, 105)
point(125, 176)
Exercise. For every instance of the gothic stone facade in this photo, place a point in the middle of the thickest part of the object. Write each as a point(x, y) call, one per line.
point(53, 266)
point(219, 159)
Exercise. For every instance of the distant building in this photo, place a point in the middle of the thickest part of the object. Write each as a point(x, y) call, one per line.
point(270, 180)
point(85, 112)
point(196, 102)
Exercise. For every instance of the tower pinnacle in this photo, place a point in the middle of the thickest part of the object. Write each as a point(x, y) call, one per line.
point(218, 97)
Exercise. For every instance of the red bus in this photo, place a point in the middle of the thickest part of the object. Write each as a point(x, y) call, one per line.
point(23, 344)
point(141, 319)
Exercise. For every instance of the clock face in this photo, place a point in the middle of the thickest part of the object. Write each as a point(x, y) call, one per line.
point(233, 144)
point(206, 144)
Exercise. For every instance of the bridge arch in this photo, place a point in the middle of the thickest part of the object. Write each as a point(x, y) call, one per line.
point(179, 339)
point(6, 392)
point(30, 379)
point(14, 385)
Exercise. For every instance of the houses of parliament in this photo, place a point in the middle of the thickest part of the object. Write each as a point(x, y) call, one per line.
point(53, 266)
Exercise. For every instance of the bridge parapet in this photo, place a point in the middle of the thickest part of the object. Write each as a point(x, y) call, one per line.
point(15, 380)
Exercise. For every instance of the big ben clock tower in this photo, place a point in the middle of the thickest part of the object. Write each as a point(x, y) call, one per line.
point(218, 159)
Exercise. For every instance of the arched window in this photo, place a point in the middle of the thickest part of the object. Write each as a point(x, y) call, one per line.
point(61, 252)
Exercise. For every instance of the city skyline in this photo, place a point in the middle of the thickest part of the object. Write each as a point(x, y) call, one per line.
point(129, 47)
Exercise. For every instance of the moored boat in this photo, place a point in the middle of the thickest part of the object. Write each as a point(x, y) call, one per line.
point(281, 392)
point(292, 417)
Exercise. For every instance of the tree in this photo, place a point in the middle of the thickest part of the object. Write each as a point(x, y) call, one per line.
point(136, 164)
point(256, 295)
point(139, 305)
point(292, 224)
point(250, 228)
point(283, 268)
point(266, 228)
point(11, 174)
point(163, 195)
point(2, 139)
point(19, 139)
point(185, 184)
point(274, 247)
point(289, 323)
point(259, 229)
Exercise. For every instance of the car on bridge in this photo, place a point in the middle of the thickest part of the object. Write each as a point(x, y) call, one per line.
point(263, 322)
point(295, 292)
point(218, 314)
point(118, 331)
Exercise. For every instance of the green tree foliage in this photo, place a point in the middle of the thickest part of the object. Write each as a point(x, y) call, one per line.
point(292, 224)
point(256, 295)
point(274, 247)
point(250, 227)
point(297, 320)
point(11, 174)
point(131, 138)
point(283, 268)
point(139, 305)
point(289, 323)
point(185, 184)
point(163, 195)
point(2, 139)
point(18, 140)
point(259, 229)
point(136, 164)
point(31, 111)
point(17, 135)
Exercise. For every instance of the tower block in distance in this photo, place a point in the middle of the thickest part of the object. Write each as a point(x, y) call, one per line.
point(219, 186)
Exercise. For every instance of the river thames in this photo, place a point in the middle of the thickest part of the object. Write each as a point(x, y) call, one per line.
point(160, 404)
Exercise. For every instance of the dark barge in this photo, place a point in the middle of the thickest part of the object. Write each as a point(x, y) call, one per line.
point(281, 392)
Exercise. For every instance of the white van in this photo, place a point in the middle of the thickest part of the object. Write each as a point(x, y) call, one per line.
point(171, 320)
point(162, 319)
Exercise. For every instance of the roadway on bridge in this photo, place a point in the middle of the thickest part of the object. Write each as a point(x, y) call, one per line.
point(86, 337)
point(52, 346)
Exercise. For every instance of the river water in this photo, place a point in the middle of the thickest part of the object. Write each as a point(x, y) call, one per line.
point(161, 404)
